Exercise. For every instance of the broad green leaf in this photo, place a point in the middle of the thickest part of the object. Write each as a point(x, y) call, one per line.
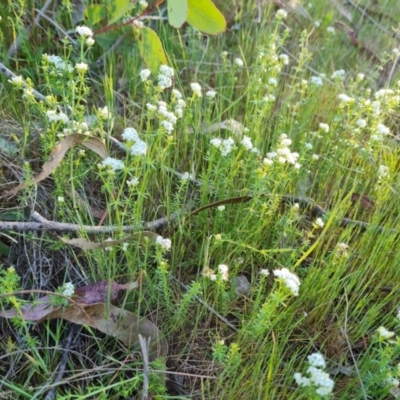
point(118, 9)
point(151, 49)
point(4, 249)
point(177, 12)
point(204, 16)
point(95, 13)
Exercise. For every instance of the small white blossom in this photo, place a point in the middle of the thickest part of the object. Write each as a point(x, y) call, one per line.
point(301, 380)
point(246, 142)
point(223, 270)
point(133, 182)
point(324, 127)
point(211, 94)
point(315, 157)
point(221, 208)
point(60, 199)
point(17, 81)
point(383, 93)
point(89, 42)
point(112, 164)
point(124, 246)
point(382, 129)
point(196, 89)
point(81, 67)
point(264, 272)
point(291, 281)
point(316, 360)
point(130, 135)
point(362, 123)
point(338, 74)
point(167, 71)
point(224, 145)
point(317, 24)
point(383, 171)
point(103, 113)
point(384, 333)
point(143, 3)
point(84, 31)
point(345, 99)
point(360, 77)
point(281, 14)
point(151, 107)
point(177, 94)
point(54, 116)
point(272, 81)
point(168, 126)
point(144, 74)
point(69, 289)
point(239, 62)
point(186, 176)
point(319, 223)
point(330, 29)
point(316, 80)
point(164, 243)
point(267, 161)
point(164, 82)
point(284, 58)
point(139, 148)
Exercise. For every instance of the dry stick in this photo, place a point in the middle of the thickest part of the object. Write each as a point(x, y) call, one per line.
point(145, 345)
point(63, 363)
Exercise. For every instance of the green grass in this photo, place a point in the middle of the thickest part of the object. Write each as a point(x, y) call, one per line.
point(344, 297)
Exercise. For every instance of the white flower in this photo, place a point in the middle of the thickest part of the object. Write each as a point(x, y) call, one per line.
point(89, 42)
point(17, 80)
point(112, 164)
point(124, 246)
point(316, 80)
point(267, 161)
point(84, 31)
point(272, 81)
point(81, 67)
point(139, 148)
point(284, 58)
point(177, 94)
point(58, 62)
point(321, 380)
point(291, 281)
point(317, 24)
point(271, 155)
point(383, 171)
point(216, 142)
point(54, 116)
point(324, 127)
point(362, 123)
point(103, 113)
point(133, 182)
point(246, 142)
point(338, 74)
point(384, 333)
point(164, 82)
point(144, 74)
point(60, 199)
point(165, 244)
point(209, 273)
point(223, 270)
point(315, 157)
point(319, 223)
point(211, 94)
point(301, 380)
point(224, 145)
point(239, 62)
point(196, 89)
point(130, 135)
point(281, 14)
point(316, 360)
point(383, 93)
point(143, 3)
point(382, 129)
point(221, 208)
point(345, 99)
point(69, 289)
point(330, 29)
point(151, 107)
point(264, 272)
point(360, 77)
point(166, 71)
point(168, 126)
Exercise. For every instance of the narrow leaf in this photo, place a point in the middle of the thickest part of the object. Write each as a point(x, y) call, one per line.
point(177, 12)
point(95, 13)
point(204, 16)
point(118, 8)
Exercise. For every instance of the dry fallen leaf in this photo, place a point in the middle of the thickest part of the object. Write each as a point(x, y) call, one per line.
point(58, 153)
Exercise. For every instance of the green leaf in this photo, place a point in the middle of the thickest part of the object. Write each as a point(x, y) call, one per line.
point(118, 9)
point(177, 12)
point(4, 249)
point(204, 16)
point(95, 13)
point(151, 49)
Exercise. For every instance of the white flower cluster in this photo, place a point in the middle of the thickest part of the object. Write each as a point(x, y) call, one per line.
point(17, 81)
point(54, 116)
point(103, 113)
point(383, 172)
point(239, 62)
point(75, 127)
point(246, 142)
point(81, 67)
point(317, 378)
point(290, 280)
point(339, 74)
point(165, 244)
point(196, 89)
point(344, 99)
point(112, 164)
point(168, 118)
point(58, 63)
point(319, 223)
point(222, 271)
point(144, 74)
point(324, 127)
point(283, 154)
point(137, 147)
point(84, 31)
point(281, 14)
point(69, 289)
point(225, 146)
point(165, 76)
point(384, 334)
point(342, 250)
point(316, 81)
